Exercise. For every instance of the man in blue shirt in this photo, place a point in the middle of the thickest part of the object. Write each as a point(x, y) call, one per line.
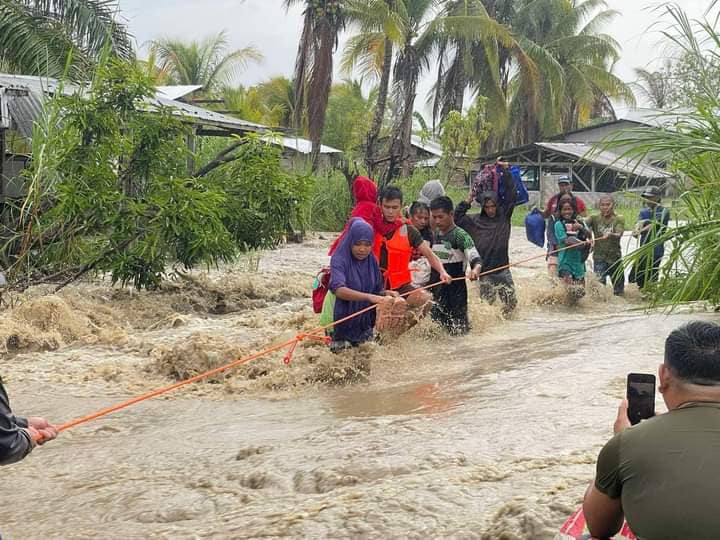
point(652, 224)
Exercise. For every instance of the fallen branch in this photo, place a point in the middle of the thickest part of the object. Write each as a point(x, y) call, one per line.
point(221, 159)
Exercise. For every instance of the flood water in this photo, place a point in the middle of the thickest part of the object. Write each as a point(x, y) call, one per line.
point(491, 435)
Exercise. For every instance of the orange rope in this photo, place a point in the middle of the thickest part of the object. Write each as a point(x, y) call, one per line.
point(292, 343)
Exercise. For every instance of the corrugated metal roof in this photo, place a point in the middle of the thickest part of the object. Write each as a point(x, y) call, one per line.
point(300, 145)
point(428, 145)
point(24, 110)
point(655, 117)
point(177, 91)
point(206, 117)
point(610, 160)
point(428, 163)
point(40, 86)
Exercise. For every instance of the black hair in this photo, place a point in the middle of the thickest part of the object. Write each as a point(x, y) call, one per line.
point(417, 206)
point(391, 193)
point(442, 203)
point(693, 353)
point(561, 202)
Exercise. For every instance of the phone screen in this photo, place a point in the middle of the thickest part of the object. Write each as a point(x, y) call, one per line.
point(641, 397)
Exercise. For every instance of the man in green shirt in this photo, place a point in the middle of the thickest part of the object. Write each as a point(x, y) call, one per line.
point(456, 249)
point(662, 474)
point(608, 228)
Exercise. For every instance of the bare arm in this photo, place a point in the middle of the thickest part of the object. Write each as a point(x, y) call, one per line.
point(604, 515)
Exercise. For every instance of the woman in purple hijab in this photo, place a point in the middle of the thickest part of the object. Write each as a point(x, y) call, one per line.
point(356, 281)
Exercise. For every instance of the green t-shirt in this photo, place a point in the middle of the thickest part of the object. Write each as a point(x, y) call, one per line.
point(666, 470)
point(455, 247)
point(607, 250)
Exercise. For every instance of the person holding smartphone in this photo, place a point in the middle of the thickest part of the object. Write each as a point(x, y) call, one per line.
point(661, 475)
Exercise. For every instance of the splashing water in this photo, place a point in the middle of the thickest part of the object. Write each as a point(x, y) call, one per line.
point(492, 435)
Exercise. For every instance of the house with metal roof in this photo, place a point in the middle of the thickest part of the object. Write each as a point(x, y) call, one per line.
point(593, 169)
point(21, 104)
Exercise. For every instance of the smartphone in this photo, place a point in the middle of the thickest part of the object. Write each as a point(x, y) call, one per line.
point(641, 397)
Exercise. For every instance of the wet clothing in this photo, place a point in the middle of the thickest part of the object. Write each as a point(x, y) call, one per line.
point(551, 206)
point(613, 271)
point(552, 217)
point(491, 235)
point(15, 442)
point(365, 194)
point(394, 251)
point(420, 266)
point(456, 250)
point(658, 219)
point(499, 285)
point(363, 276)
point(570, 261)
point(646, 269)
point(608, 250)
point(665, 471)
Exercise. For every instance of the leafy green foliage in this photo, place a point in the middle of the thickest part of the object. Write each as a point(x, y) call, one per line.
point(108, 190)
point(329, 203)
point(207, 62)
point(691, 143)
point(348, 116)
point(262, 201)
point(39, 36)
point(462, 137)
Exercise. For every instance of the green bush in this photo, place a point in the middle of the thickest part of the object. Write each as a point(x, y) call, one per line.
point(109, 190)
point(263, 201)
point(329, 204)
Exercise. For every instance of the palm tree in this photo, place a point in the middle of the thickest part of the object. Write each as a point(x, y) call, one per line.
point(472, 32)
point(371, 51)
point(270, 102)
point(655, 86)
point(689, 139)
point(415, 29)
point(424, 31)
point(323, 20)
point(158, 74)
point(44, 36)
point(279, 95)
point(558, 71)
point(205, 63)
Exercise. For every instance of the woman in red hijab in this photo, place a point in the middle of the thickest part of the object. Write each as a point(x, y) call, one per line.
point(365, 194)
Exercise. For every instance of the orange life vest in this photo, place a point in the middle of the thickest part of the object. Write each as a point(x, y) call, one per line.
point(399, 255)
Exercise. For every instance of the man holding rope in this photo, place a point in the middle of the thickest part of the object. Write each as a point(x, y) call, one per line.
point(18, 435)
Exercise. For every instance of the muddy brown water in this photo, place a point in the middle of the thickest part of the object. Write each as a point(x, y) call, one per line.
point(492, 435)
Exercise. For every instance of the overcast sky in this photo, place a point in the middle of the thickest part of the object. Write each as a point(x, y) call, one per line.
point(275, 32)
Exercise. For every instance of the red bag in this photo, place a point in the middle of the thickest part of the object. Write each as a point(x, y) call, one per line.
point(320, 289)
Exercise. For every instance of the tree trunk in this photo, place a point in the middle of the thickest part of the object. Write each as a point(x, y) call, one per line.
point(300, 76)
point(460, 78)
point(406, 74)
point(320, 84)
point(406, 134)
point(380, 107)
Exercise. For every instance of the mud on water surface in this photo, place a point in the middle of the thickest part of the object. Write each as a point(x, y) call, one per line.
point(492, 435)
